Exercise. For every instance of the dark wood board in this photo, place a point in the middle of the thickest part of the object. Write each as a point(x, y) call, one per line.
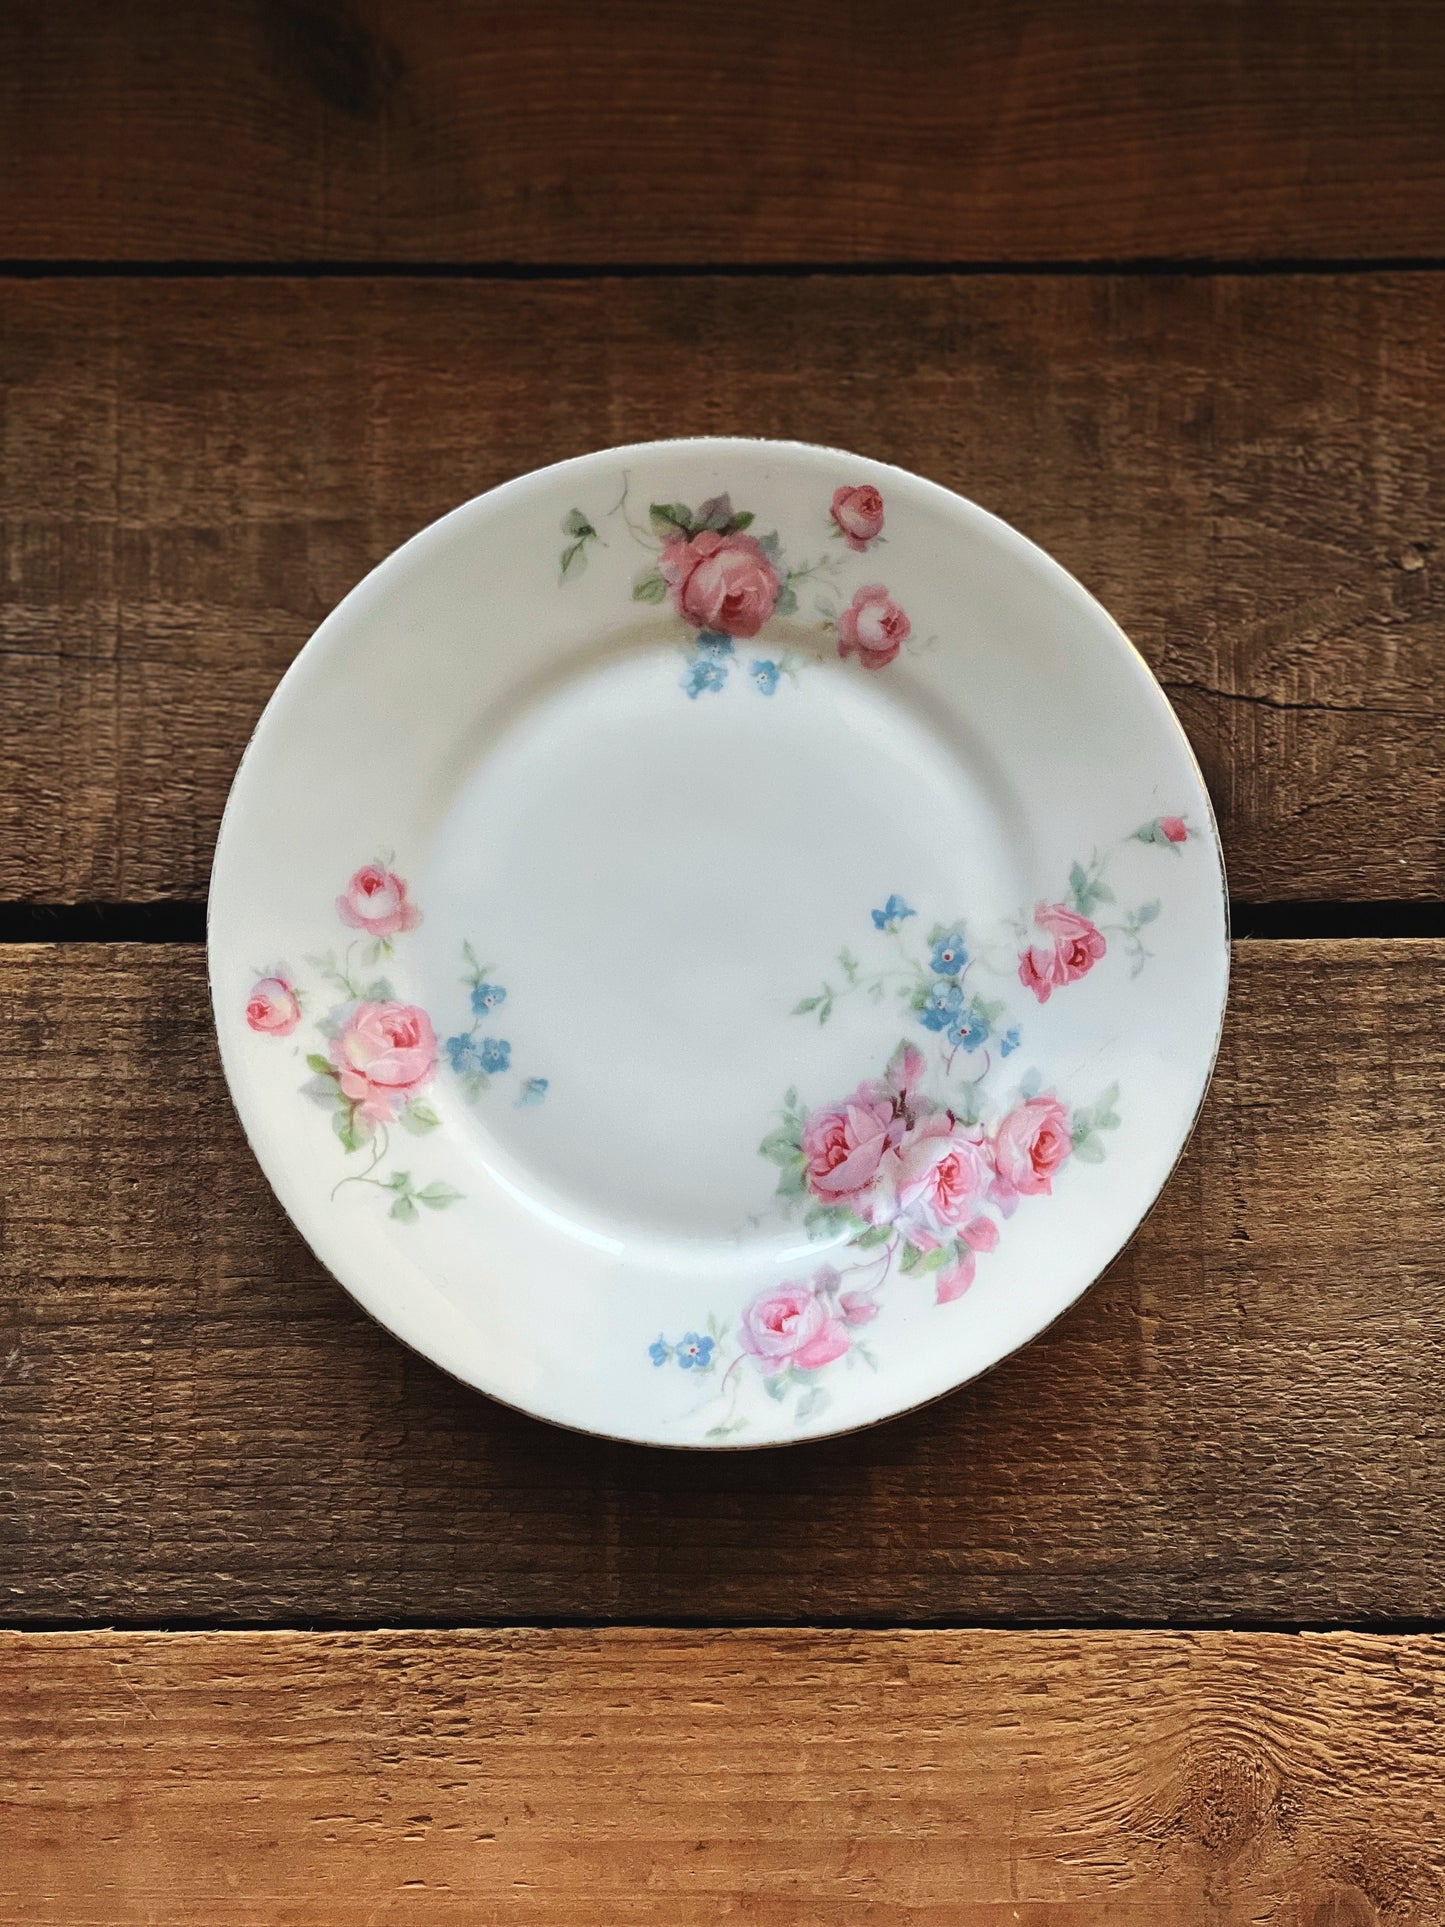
point(1246, 471)
point(263, 130)
point(1242, 1421)
point(902, 1779)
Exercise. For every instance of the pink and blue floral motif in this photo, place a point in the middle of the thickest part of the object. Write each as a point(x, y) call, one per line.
point(727, 583)
point(379, 1055)
point(917, 1171)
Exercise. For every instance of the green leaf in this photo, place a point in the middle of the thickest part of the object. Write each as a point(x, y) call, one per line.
point(790, 1098)
point(649, 588)
point(727, 1429)
point(792, 1182)
point(1078, 882)
point(771, 546)
point(403, 1209)
point(936, 1260)
point(787, 602)
point(876, 1234)
point(436, 1196)
point(825, 1009)
point(1090, 1151)
point(574, 522)
point(919, 999)
point(378, 991)
point(1147, 912)
point(809, 1403)
point(322, 1066)
point(1100, 893)
point(715, 513)
point(779, 1147)
point(419, 1117)
point(474, 1083)
point(910, 1259)
point(574, 559)
point(939, 932)
point(991, 1012)
point(744, 519)
point(849, 964)
point(344, 1123)
point(399, 1181)
point(776, 1388)
point(1109, 1099)
point(1150, 833)
point(808, 1003)
point(670, 518)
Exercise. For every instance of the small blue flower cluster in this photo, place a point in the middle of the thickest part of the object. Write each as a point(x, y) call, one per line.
point(892, 914)
point(473, 1056)
point(693, 1351)
point(707, 666)
point(962, 1020)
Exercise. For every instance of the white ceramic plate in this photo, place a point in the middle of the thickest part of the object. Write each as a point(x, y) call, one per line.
point(717, 942)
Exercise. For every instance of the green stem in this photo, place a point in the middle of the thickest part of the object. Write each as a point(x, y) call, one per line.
point(365, 1177)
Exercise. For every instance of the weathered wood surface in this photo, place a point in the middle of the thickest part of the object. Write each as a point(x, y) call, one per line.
point(1007, 1779)
point(378, 130)
point(1246, 471)
point(1242, 1421)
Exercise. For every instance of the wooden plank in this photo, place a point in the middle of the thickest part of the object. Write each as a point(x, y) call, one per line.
point(1243, 1421)
point(1098, 1779)
point(316, 129)
point(1245, 470)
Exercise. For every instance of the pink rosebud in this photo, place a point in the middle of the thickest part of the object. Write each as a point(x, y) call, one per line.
point(954, 1280)
point(1175, 828)
point(873, 627)
point(791, 1324)
point(858, 1307)
point(384, 1054)
point(375, 901)
point(273, 1006)
point(722, 582)
point(858, 513)
point(981, 1234)
point(1071, 947)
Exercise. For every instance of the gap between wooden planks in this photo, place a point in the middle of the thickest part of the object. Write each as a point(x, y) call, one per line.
point(1245, 471)
point(1024, 129)
point(1066, 1779)
point(1241, 1421)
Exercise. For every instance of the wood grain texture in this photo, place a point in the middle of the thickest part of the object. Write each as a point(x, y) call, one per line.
point(1246, 471)
point(1243, 1420)
point(374, 129)
point(1003, 1779)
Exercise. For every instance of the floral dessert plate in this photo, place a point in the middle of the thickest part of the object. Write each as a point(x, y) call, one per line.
point(718, 942)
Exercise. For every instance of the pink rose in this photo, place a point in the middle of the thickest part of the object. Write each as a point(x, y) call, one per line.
point(858, 513)
point(943, 1178)
point(873, 627)
point(273, 1007)
point(792, 1325)
point(1028, 1148)
point(375, 901)
point(1175, 828)
point(723, 582)
point(1073, 947)
point(846, 1145)
point(384, 1054)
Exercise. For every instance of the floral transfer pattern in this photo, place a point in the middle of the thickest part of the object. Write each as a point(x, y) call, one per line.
point(727, 583)
point(916, 1172)
point(378, 1055)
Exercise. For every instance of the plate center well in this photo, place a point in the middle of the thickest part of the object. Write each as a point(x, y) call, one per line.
point(656, 881)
